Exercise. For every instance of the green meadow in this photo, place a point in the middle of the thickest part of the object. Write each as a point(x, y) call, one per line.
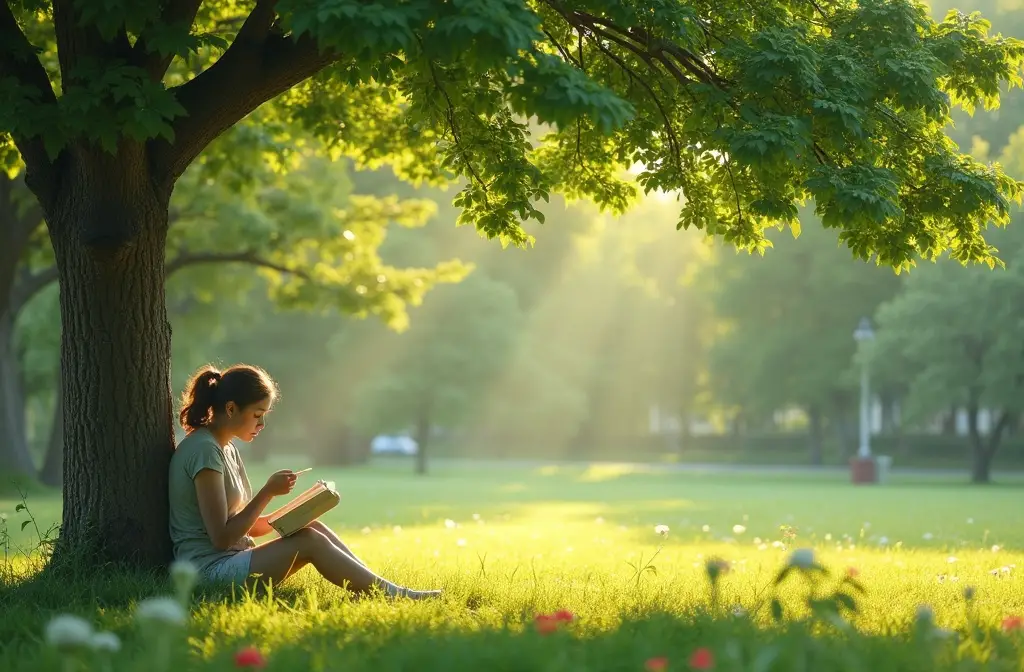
point(509, 544)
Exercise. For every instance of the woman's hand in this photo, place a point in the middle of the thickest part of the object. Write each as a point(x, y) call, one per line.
point(280, 482)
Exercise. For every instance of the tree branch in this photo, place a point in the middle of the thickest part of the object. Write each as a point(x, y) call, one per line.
point(185, 259)
point(180, 12)
point(260, 64)
point(19, 62)
point(29, 284)
point(673, 141)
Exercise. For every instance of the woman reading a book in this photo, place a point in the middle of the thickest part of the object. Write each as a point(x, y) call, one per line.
point(214, 513)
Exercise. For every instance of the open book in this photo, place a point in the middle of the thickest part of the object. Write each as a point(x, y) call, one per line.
point(304, 509)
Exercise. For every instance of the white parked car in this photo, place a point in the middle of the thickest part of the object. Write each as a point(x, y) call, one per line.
point(384, 444)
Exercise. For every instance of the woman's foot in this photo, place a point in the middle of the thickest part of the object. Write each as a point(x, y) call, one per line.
point(418, 594)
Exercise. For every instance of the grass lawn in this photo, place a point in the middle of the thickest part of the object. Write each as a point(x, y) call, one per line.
point(509, 544)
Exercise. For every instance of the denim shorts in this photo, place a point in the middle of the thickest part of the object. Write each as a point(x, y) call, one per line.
point(231, 569)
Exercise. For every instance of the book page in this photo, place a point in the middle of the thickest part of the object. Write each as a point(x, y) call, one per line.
point(309, 510)
point(297, 502)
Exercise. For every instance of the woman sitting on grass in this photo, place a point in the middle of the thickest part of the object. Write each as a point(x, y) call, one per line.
point(214, 515)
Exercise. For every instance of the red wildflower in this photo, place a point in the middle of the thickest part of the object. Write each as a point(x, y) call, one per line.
point(545, 624)
point(702, 659)
point(250, 656)
point(852, 572)
point(1013, 623)
point(658, 664)
point(563, 616)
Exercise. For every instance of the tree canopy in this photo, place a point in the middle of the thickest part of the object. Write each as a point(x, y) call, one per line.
point(747, 110)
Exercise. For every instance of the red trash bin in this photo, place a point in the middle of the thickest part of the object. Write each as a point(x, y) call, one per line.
point(862, 470)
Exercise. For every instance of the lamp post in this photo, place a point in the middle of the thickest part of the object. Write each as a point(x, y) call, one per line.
point(863, 466)
point(864, 334)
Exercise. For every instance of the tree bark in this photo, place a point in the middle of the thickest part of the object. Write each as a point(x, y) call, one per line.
point(108, 227)
point(52, 473)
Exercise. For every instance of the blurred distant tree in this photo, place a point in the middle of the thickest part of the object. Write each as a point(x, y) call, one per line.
point(747, 109)
point(440, 370)
point(955, 335)
point(789, 319)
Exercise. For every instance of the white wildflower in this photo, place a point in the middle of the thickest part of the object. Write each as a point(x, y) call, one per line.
point(68, 632)
point(460, 542)
point(883, 541)
point(161, 610)
point(995, 548)
point(951, 559)
point(396, 529)
point(706, 528)
point(450, 524)
point(927, 536)
point(366, 530)
point(661, 530)
point(802, 558)
point(184, 575)
point(476, 516)
point(183, 570)
point(828, 537)
point(107, 642)
point(738, 529)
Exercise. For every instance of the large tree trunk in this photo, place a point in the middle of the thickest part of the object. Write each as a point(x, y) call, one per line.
point(15, 458)
point(108, 226)
point(52, 473)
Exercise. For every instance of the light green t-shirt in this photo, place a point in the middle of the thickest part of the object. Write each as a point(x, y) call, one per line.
point(197, 451)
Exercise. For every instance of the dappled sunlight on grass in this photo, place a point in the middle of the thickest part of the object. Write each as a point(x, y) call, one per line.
point(607, 472)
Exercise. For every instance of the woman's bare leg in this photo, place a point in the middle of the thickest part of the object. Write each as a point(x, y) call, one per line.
point(278, 559)
point(334, 539)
